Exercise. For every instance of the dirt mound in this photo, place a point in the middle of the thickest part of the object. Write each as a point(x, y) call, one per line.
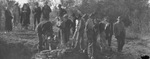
point(15, 46)
point(60, 54)
point(14, 51)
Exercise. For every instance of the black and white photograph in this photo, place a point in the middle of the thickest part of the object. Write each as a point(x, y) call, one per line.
point(74, 29)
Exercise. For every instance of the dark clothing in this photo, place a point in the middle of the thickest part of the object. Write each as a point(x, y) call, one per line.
point(74, 25)
point(28, 14)
point(46, 10)
point(25, 16)
point(109, 33)
point(62, 12)
point(37, 15)
point(119, 31)
point(91, 37)
point(16, 13)
point(8, 22)
point(44, 28)
point(24, 19)
point(38, 12)
point(66, 26)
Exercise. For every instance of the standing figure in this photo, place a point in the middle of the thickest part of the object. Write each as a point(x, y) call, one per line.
point(16, 14)
point(91, 36)
point(65, 27)
point(62, 11)
point(46, 11)
point(28, 15)
point(81, 32)
point(25, 16)
point(8, 22)
point(37, 14)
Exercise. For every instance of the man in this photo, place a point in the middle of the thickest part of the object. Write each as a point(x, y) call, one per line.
point(46, 11)
point(44, 28)
point(66, 26)
point(76, 17)
point(81, 32)
point(16, 14)
point(91, 36)
point(25, 16)
point(8, 22)
point(28, 14)
point(37, 14)
point(62, 11)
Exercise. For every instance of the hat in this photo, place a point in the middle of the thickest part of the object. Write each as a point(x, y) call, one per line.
point(46, 2)
point(36, 3)
point(59, 5)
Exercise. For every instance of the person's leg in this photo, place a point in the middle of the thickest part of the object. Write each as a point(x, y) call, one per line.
point(80, 40)
point(118, 43)
point(67, 36)
point(109, 40)
point(121, 42)
point(90, 44)
point(14, 21)
point(40, 42)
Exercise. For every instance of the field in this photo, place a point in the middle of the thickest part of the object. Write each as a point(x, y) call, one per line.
point(21, 44)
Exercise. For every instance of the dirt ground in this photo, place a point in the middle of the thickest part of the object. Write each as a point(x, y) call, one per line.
point(20, 44)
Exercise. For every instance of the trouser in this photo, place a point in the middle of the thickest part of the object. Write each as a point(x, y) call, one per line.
point(109, 38)
point(15, 20)
point(81, 39)
point(91, 42)
point(121, 41)
point(40, 42)
point(66, 36)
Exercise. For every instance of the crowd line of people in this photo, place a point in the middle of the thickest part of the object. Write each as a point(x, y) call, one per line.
point(84, 25)
point(16, 15)
point(79, 27)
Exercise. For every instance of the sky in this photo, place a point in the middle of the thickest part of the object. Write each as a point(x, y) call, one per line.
point(22, 1)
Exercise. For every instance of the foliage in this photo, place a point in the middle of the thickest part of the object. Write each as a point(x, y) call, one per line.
point(135, 12)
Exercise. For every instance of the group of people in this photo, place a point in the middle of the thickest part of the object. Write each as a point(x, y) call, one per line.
point(16, 16)
point(82, 25)
point(77, 27)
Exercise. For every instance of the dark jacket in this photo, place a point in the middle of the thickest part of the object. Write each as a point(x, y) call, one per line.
point(46, 10)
